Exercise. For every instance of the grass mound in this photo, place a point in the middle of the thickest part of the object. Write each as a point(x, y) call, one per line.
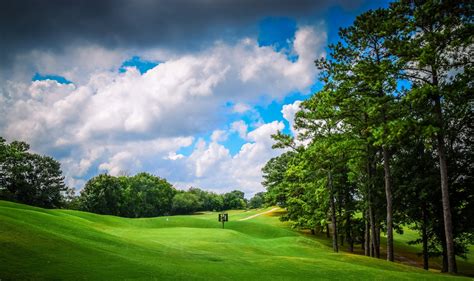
point(39, 244)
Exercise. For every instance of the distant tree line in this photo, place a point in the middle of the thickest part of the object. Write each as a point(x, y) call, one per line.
point(146, 195)
point(389, 137)
point(37, 180)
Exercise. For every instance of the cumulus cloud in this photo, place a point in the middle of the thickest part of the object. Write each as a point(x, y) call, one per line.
point(208, 158)
point(240, 127)
point(241, 107)
point(119, 162)
point(289, 111)
point(215, 168)
point(174, 156)
point(248, 163)
point(123, 157)
point(219, 135)
point(176, 97)
point(130, 121)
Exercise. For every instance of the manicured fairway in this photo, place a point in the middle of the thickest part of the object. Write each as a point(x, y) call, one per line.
point(39, 244)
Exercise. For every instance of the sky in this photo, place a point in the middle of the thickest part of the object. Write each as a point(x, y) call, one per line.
point(187, 90)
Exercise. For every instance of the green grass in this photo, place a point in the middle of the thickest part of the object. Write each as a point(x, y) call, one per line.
point(413, 253)
point(39, 244)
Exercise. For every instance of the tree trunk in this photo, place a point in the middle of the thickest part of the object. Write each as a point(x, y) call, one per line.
point(445, 260)
point(373, 233)
point(349, 233)
point(373, 238)
point(339, 211)
point(333, 214)
point(443, 168)
point(424, 236)
point(377, 241)
point(367, 235)
point(327, 231)
point(388, 193)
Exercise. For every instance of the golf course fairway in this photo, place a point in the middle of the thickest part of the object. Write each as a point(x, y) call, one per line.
point(40, 244)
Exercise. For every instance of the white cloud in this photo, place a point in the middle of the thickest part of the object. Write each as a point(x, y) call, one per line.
point(240, 127)
point(216, 169)
point(124, 157)
point(219, 136)
point(248, 163)
point(289, 111)
point(120, 163)
point(241, 107)
point(208, 158)
point(117, 122)
point(173, 156)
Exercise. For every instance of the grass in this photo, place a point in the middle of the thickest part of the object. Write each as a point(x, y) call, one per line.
point(413, 253)
point(39, 244)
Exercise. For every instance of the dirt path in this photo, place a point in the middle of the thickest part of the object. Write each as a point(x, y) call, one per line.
point(256, 215)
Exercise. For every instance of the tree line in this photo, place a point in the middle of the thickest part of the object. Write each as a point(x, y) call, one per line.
point(146, 195)
point(37, 180)
point(388, 140)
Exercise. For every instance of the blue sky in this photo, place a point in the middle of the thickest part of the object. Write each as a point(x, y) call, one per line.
point(198, 110)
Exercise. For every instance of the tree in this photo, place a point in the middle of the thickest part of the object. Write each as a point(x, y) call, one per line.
point(434, 43)
point(234, 200)
point(214, 202)
point(185, 203)
point(320, 168)
point(146, 195)
point(142, 195)
point(30, 178)
point(396, 96)
point(208, 201)
point(273, 174)
point(103, 194)
point(361, 63)
point(257, 200)
point(415, 174)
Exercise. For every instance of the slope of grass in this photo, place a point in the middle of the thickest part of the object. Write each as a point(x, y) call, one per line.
point(413, 252)
point(39, 244)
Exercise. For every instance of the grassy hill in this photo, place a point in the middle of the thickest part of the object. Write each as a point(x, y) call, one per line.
point(39, 244)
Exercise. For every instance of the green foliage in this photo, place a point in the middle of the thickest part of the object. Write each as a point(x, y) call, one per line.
point(257, 201)
point(399, 78)
point(142, 195)
point(30, 178)
point(274, 179)
point(208, 201)
point(214, 202)
point(103, 194)
point(234, 200)
point(185, 203)
point(146, 196)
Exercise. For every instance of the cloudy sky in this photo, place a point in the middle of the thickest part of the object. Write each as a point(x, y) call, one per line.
point(188, 90)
